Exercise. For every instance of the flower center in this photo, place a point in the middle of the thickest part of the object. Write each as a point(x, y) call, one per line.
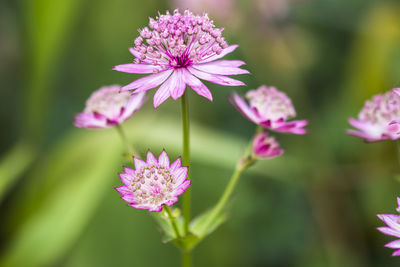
point(152, 185)
point(271, 104)
point(107, 101)
point(382, 109)
point(177, 41)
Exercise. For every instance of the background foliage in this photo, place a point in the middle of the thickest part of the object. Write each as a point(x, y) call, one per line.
point(313, 206)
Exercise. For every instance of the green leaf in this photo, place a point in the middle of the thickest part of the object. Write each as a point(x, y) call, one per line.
point(206, 223)
point(13, 164)
point(70, 183)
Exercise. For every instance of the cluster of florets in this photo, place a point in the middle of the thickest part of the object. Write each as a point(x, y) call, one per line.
point(178, 40)
point(379, 118)
point(271, 103)
point(107, 107)
point(271, 109)
point(265, 146)
point(154, 183)
point(392, 228)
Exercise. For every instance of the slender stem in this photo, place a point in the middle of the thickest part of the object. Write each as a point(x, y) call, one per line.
point(122, 134)
point(186, 255)
point(172, 219)
point(186, 158)
point(398, 150)
point(186, 259)
point(227, 193)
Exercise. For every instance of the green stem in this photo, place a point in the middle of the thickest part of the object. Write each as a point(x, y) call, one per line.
point(186, 255)
point(186, 158)
point(398, 150)
point(227, 193)
point(246, 161)
point(122, 134)
point(172, 219)
point(186, 259)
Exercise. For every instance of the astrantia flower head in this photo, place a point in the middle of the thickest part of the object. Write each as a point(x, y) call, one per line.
point(269, 108)
point(178, 49)
point(379, 118)
point(153, 183)
point(107, 107)
point(265, 146)
point(393, 228)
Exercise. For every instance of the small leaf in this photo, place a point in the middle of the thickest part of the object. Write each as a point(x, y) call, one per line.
point(188, 242)
point(206, 223)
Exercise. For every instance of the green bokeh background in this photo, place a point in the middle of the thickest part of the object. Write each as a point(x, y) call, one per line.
point(313, 206)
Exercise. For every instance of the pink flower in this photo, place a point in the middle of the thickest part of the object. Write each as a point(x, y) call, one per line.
point(107, 107)
point(265, 146)
point(179, 49)
point(269, 108)
point(379, 118)
point(154, 183)
point(393, 228)
point(224, 10)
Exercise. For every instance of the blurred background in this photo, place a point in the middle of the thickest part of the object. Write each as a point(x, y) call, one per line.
point(314, 206)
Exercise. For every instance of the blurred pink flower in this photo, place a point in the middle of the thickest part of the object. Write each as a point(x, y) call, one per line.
point(179, 49)
point(107, 107)
point(393, 228)
point(221, 9)
point(379, 118)
point(269, 108)
point(265, 146)
point(154, 183)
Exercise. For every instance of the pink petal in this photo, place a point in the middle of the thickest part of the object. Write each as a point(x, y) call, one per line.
point(134, 103)
point(151, 159)
point(148, 82)
point(196, 85)
point(215, 78)
point(180, 85)
point(123, 190)
point(163, 159)
point(180, 175)
point(126, 178)
point(224, 52)
point(396, 252)
point(135, 68)
point(181, 189)
point(129, 198)
point(391, 220)
point(294, 127)
point(227, 63)
point(162, 93)
point(393, 244)
point(139, 164)
point(388, 231)
point(88, 120)
point(244, 108)
point(218, 68)
point(176, 164)
point(129, 171)
point(134, 52)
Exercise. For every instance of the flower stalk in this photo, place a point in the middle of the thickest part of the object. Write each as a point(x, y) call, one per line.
point(173, 222)
point(186, 158)
point(125, 140)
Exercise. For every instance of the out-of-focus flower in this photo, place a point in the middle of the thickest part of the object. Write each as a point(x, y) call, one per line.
point(265, 146)
point(271, 10)
point(379, 118)
point(108, 107)
point(393, 228)
point(221, 9)
point(269, 108)
point(179, 49)
point(153, 183)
